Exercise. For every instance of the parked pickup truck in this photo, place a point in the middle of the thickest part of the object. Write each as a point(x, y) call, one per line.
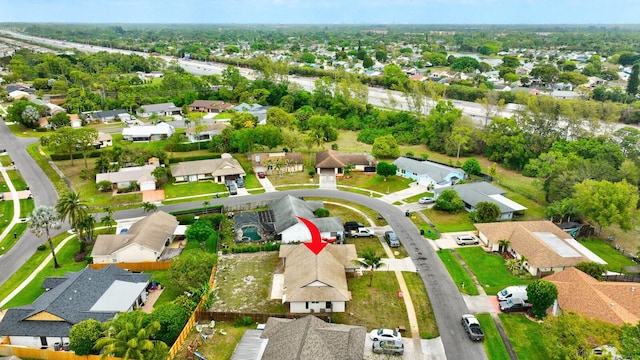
point(514, 304)
point(362, 232)
point(472, 327)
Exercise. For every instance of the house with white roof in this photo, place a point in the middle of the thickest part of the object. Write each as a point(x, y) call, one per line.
point(160, 131)
point(428, 173)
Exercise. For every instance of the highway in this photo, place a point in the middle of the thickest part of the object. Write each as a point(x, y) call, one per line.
point(377, 96)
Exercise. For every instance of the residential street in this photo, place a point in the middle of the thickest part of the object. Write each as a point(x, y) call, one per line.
point(43, 194)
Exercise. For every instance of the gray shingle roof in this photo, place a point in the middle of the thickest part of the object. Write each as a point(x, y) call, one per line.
point(287, 208)
point(310, 338)
point(70, 301)
point(473, 193)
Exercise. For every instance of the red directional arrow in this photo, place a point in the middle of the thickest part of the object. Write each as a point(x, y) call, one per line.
point(316, 245)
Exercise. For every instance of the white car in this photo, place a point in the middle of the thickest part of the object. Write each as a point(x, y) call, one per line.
point(385, 334)
point(426, 200)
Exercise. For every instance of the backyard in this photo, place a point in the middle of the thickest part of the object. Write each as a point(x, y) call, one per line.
point(446, 222)
point(525, 335)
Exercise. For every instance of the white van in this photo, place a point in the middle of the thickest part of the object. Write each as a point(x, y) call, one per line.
point(519, 291)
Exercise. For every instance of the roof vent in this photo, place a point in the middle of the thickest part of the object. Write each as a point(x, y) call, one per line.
point(633, 289)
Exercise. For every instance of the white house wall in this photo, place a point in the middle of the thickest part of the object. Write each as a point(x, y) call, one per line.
point(301, 307)
point(34, 341)
point(300, 233)
point(103, 259)
point(136, 253)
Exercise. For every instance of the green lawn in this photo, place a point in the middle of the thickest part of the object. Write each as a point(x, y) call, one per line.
point(33, 290)
point(220, 347)
point(489, 269)
point(10, 240)
point(535, 211)
point(525, 335)
point(374, 307)
point(26, 207)
point(192, 188)
point(20, 130)
point(421, 224)
point(615, 260)
point(372, 181)
point(457, 272)
point(17, 180)
point(343, 210)
point(446, 222)
point(6, 214)
point(426, 320)
point(5, 160)
point(53, 176)
point(417, 197)
point(367, 243)
point(492, 341)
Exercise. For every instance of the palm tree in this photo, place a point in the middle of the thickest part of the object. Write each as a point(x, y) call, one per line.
point(108, 221)
point(205, 205)
point(512, 265)
point(86, 225)
point(43, 219)
point(149, 207)
point(72, 208)
point(370, 260)
point(503, 245)
point(127, 337)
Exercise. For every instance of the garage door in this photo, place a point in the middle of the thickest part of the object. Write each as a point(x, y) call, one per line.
point(147, 185)
point(193, 178)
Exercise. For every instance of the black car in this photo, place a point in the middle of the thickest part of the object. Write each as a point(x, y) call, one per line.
point(352, 226)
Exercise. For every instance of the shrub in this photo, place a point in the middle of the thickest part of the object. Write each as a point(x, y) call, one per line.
point(449, 201)
point(243, 321)
point(256, 248)
point(174, 160)
point(42, 247)
point(321, 212)
point(334, 146)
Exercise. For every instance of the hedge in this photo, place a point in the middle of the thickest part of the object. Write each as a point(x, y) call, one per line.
point(216, 209)
point(178, 159)
point(90, 154)
point(256, 248)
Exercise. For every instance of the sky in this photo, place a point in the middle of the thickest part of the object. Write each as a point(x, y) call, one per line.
point(323, 11)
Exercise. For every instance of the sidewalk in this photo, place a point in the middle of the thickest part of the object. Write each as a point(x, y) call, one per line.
point(35, 272)
point(16, 206)
point(399, 196)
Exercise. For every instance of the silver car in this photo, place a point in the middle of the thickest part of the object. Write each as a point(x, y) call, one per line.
point(388, 347)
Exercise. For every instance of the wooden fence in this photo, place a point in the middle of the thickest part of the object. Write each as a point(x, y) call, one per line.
point(623, 278)
point(46, 354)
point(206, 316)
point(192, 320)
point(137, 266)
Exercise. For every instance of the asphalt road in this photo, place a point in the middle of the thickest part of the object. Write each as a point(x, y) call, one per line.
point(43, 194)
point(446, 300)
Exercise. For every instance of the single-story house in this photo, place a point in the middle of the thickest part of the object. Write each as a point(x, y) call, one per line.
point(160, 131)
point(307, 338)
point(290, 229)
point(331, 162)
point(150, 75)
point(70, 299)
point(543, 246)
point(317, 283)
point(145, 240)
point(108, 115)
point(473, 193)
point(428, 173)
point(104, 140)
point(257, 110)
point(613, 302)
point(209, 106)
point(123, 178)
point(564, 94)
point(18, 94)
point(207, 134)
point(164, 109)
point(219, 170)
point(281, 162)
point(20, 87)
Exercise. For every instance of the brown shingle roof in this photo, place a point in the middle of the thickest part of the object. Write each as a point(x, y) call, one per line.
point(217, 105)
point(303, 268)
point(310, 338)
point(151, 232)
point(216, 167)
point(613, 302)
point(331, 159)
point(522, 238)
